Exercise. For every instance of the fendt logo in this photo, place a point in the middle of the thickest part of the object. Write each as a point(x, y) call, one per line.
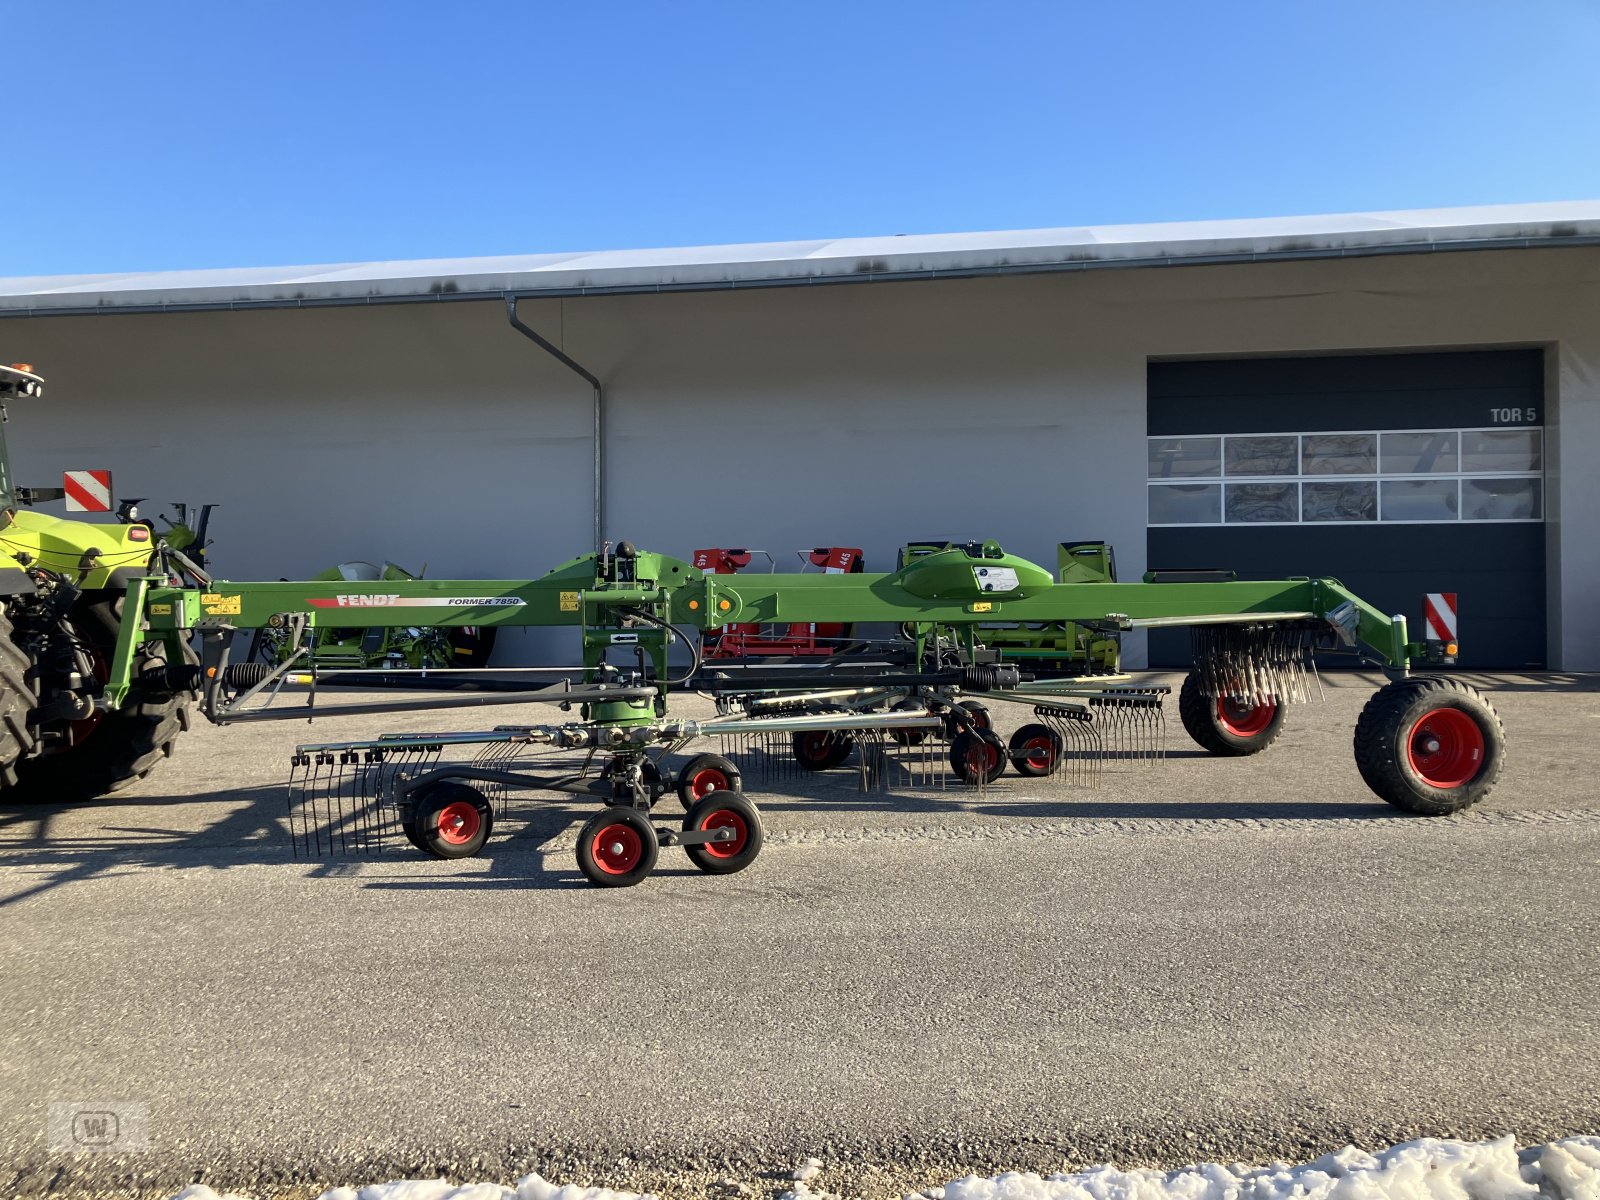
point(367, 601)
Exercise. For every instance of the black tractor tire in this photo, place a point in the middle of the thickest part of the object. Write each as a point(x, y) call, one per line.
point(124, 746)
point(1225, 727)
point(1430, 745)
point(725, 810)
point(17, 700)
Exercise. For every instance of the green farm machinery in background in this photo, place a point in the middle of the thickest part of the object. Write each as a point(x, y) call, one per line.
point(1052, 647)
point(355, 647)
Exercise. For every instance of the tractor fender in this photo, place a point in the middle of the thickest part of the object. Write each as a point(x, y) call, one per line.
point(118, 579)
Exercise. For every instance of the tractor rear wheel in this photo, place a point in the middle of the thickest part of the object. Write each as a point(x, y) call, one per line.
point(1430, 745)
point(17, 700)
point(118, 748)
point(1225, 725)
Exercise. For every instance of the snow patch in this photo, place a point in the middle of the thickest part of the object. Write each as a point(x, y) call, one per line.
point(1429, 1169)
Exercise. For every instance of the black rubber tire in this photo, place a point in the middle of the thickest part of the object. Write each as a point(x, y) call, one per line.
point(979, 758)
point(1202, 719)
point(1026, 746)
point(1387, 745)
point(979, 714)
point(722, 858)
point(616, 871)
point(17, 700)
point(125, 745)
point(436, 805)
point(689, 783)
point(821, 749)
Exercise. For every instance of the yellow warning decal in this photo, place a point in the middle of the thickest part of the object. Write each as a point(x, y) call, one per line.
point(221, 606)
point(569, 601)
point(161, 610)
point(978, 606)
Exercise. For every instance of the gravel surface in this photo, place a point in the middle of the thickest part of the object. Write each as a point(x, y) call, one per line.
point(1202, 958)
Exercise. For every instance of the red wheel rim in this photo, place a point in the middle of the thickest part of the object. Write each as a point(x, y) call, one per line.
point(1446, 748)
point(815, 746)
point(980, 716)
point(617, 848)
point(459, 822)
point(983, 757)
point(708, 780)
point(1242, 719)
point(726, 818)
point(1039, 753)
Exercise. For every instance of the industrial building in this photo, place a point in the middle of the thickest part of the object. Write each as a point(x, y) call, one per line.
point(1408, 401)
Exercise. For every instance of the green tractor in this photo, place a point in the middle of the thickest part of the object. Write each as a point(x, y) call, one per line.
point(68, 729)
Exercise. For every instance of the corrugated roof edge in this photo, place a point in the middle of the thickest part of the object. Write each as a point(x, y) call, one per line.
point(784, 264)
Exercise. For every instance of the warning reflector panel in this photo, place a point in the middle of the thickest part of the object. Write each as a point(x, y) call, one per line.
point(88, 491)
point(1441, 614)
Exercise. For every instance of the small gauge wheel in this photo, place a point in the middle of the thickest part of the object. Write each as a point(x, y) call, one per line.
point(724, 810)
point(617, 848)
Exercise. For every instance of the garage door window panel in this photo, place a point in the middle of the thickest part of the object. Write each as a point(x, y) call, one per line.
point(1486, 450)
point(1185, 458)
point(1262, 455)
point(1258, 503)
point(1420, 499)
point(1185, 504)
point(1345, 501)
point(1339, 454)
point(1427, 453)
point(1501, 499)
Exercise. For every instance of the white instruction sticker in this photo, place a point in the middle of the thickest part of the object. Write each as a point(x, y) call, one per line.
point(995, 579)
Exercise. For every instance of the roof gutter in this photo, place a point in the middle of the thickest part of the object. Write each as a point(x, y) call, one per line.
point(527, 292)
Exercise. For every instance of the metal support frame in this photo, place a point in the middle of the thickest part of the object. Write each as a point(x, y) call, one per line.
point(577, 368)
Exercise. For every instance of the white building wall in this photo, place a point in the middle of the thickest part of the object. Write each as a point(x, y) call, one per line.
point(869, 415)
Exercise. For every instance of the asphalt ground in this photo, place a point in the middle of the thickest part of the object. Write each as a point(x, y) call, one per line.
point(1198, 959)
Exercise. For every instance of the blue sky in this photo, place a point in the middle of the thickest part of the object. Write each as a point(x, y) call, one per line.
point(165, 134)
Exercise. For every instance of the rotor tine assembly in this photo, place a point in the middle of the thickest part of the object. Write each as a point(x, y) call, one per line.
point(1082, 751)
point(341, 804)
point(1253, 663)
point(1132, 725)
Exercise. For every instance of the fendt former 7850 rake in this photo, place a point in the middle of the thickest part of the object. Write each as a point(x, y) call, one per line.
point(905, 706)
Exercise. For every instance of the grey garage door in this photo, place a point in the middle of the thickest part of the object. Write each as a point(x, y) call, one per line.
point(1399, 474)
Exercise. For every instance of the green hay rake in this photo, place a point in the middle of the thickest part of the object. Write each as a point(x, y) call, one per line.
point(1426, 744)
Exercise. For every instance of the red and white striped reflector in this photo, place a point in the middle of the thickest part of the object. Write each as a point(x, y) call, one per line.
point(88, 491)
point(1440, 611)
